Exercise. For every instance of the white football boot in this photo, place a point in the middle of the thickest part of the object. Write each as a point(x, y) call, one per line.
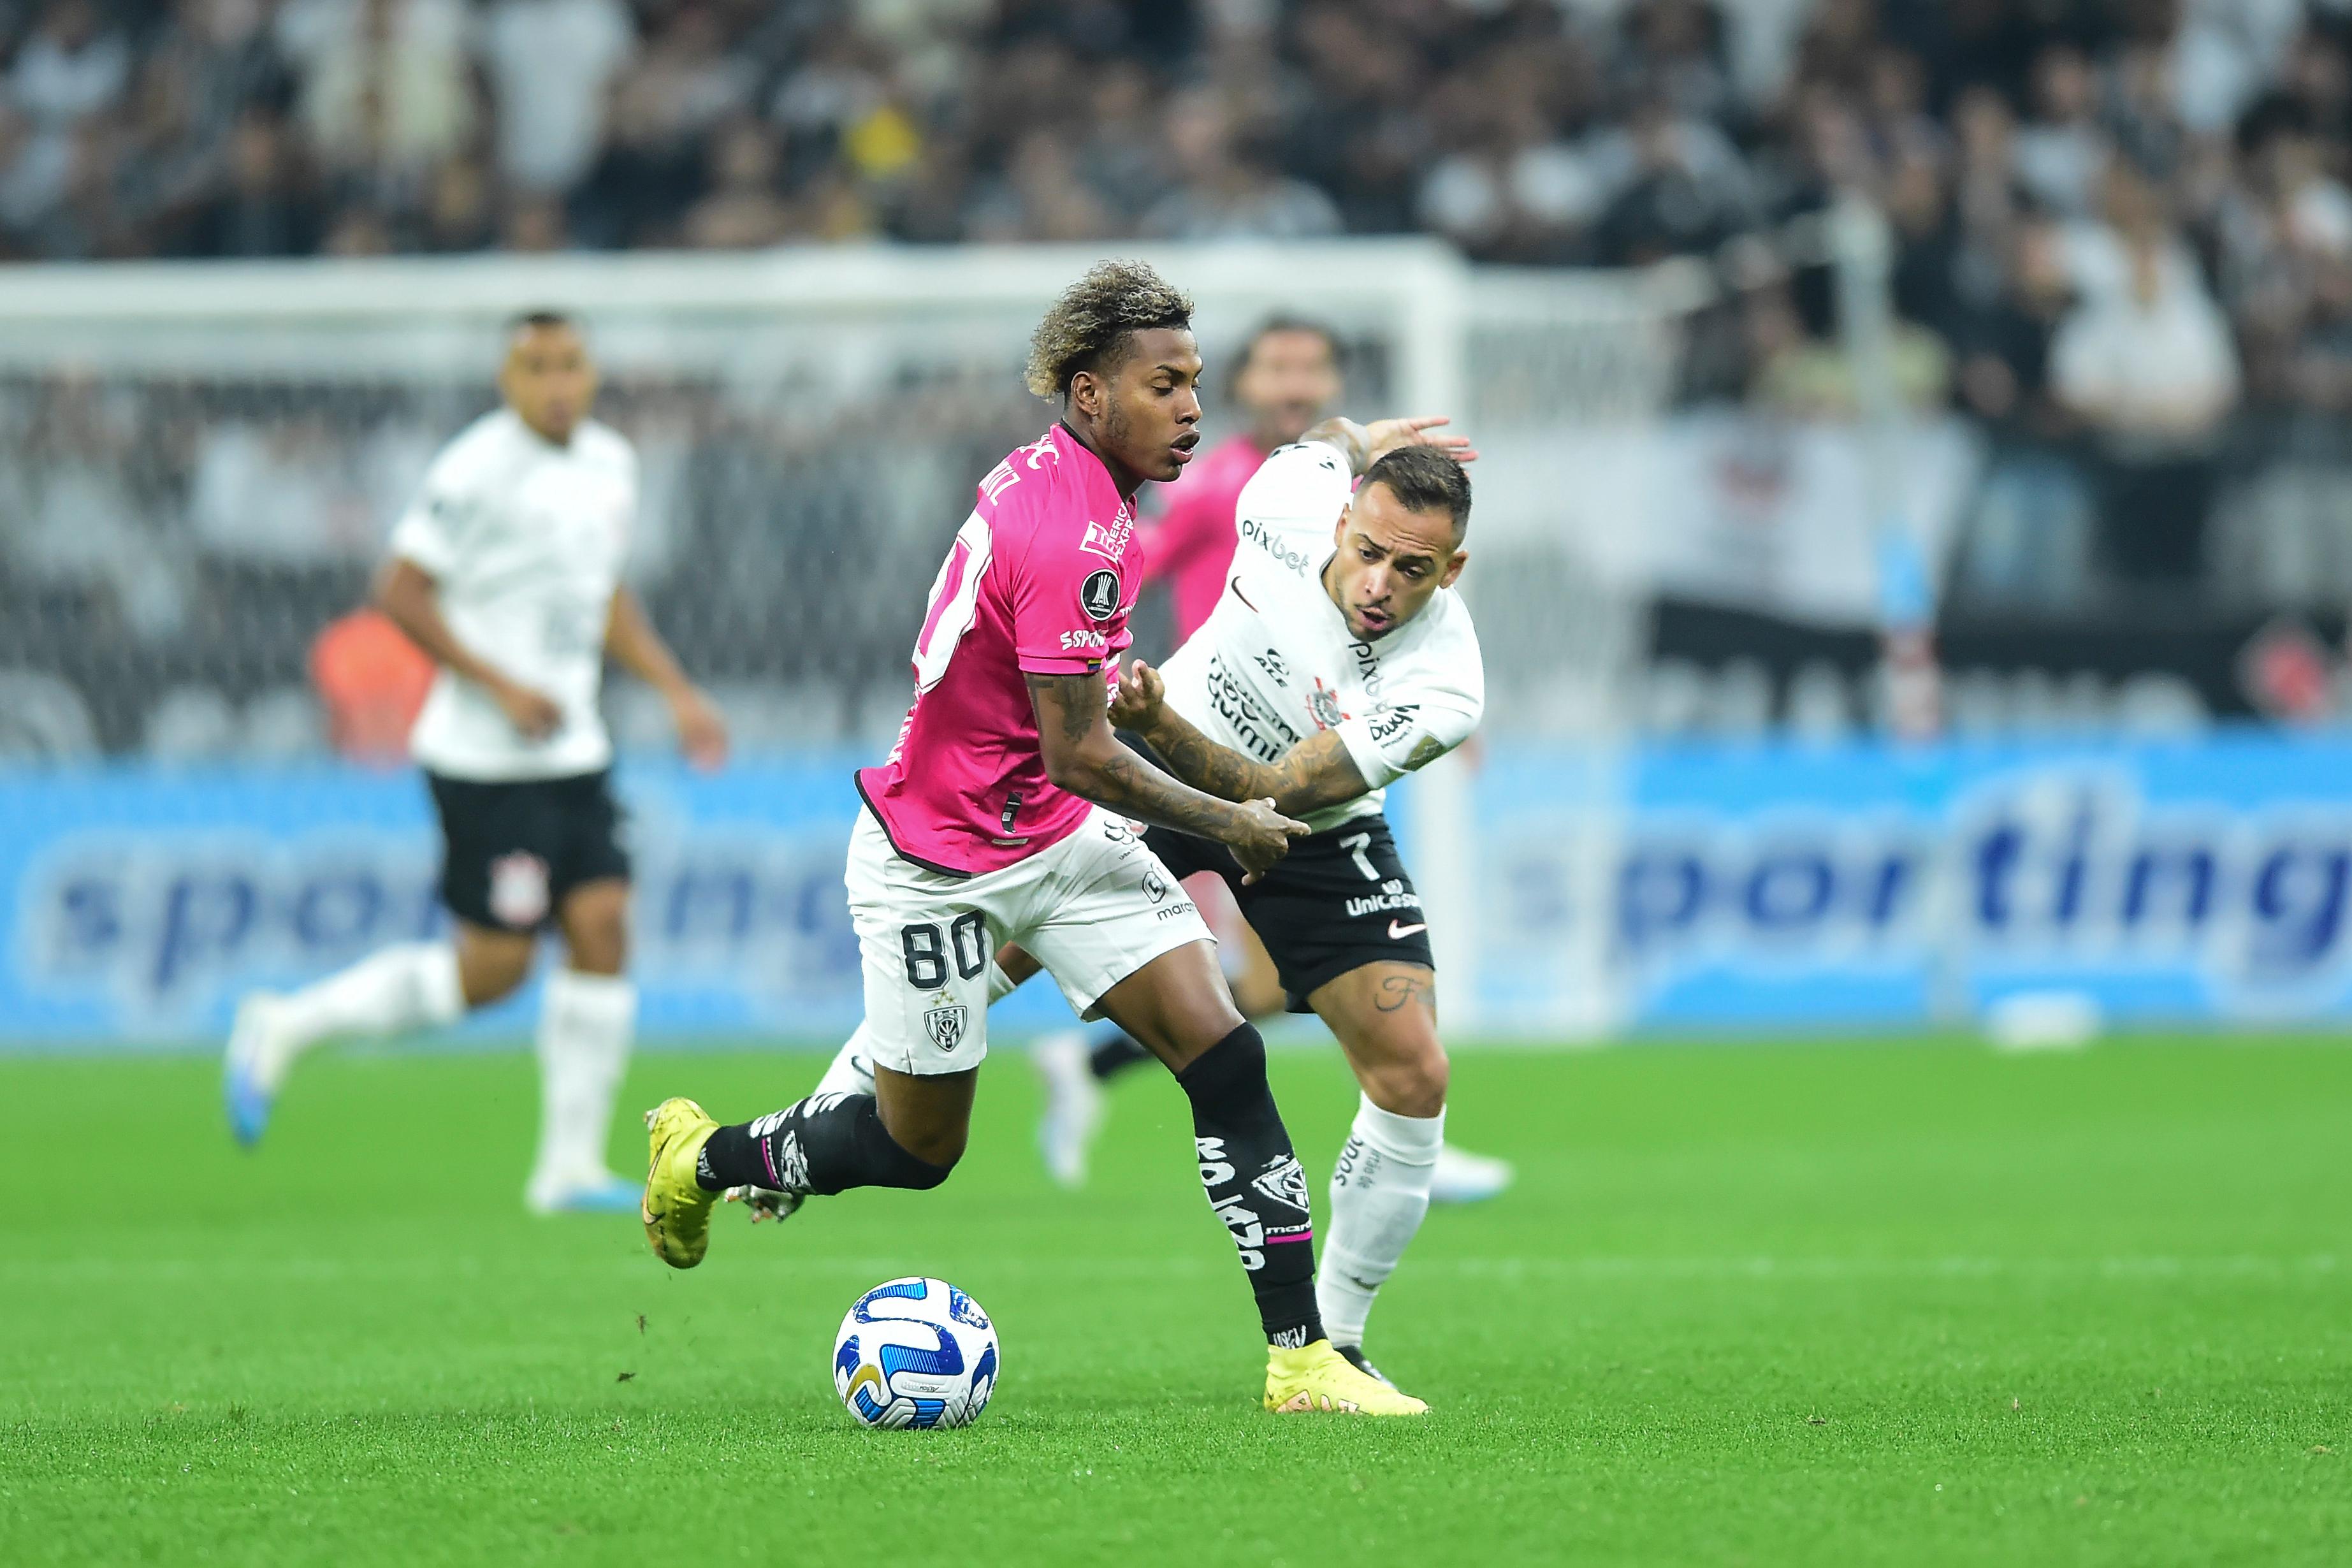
point(1462, 1177)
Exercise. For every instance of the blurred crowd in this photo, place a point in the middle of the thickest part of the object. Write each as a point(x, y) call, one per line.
point(2123, 228)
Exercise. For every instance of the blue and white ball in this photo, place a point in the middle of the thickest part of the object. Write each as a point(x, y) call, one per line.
point(915, 1352)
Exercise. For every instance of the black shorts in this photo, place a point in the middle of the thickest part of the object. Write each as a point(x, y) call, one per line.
point(1339, 900)
point(511, 850)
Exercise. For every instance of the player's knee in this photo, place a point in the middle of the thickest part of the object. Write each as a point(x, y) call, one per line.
point(1232, 1069)
point(596, 934)
point(922, 1160)
point(491, 970)
point(1412, 1085)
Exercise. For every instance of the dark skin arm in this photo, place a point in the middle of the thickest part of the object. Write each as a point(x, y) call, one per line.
point(408, 596)
point(1083, 756)
point(1317, 773)
point(636, 646)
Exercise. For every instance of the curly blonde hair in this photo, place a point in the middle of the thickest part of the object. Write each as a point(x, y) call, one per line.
point(1088, 326)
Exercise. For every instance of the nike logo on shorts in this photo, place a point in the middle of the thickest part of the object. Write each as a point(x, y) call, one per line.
point(1399, 932)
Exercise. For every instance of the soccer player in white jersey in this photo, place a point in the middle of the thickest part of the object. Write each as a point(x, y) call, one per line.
point(507, 571)
point(1005, 815)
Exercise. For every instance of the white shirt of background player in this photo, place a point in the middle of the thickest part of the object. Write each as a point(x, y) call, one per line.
point(1280, 674)
point(524, 541)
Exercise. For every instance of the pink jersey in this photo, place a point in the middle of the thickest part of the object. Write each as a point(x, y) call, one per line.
point(1040, 579)
point(1193, 543)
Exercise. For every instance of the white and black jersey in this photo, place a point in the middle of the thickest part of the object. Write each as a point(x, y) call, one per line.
point(525, 541)
point(1275, 661)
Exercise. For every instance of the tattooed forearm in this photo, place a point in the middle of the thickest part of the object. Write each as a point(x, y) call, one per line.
point(1400, 991)
point(1309, 776)
point(1132, 786)
point(1087, 759)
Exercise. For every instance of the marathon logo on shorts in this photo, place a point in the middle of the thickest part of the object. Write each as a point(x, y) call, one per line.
point(945, 1026)
point(1155, 886)
point(1098, 595)
point(518, 890)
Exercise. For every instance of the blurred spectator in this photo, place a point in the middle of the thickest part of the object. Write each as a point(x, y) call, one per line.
point(2061, 151)
point(551, 64)
point(73, 66)
point(264, 209)
point(743, 210)
point(2150, 369)
point(1229, 186)
point(385, 86)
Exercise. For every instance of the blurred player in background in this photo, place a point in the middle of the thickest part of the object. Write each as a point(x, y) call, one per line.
point(507, 573)
point(1004, 814)
point(1288, 378)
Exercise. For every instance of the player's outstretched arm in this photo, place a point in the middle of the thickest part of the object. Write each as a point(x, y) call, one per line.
point(1368, 444)
point(630, 638)
point(411, 599)
point(1083, 756)
point(1313, 774)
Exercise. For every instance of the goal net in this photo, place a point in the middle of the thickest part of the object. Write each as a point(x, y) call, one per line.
point(199, 466)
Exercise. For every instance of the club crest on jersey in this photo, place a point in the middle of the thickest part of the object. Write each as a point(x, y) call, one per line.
point(945, 1026)
point(1284, 1182)
point(518, 890)
point(1098, 595)
point(1324, 704)
point(1109, 540)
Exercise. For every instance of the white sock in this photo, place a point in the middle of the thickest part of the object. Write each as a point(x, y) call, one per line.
point(412, 987)
point(852, 1068)
point(1380, 1190)
point(585, 1023)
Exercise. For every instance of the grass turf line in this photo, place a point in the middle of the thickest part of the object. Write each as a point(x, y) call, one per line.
point(1766, 1304)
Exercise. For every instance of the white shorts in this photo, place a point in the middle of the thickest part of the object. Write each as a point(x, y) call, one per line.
point(1092, 909)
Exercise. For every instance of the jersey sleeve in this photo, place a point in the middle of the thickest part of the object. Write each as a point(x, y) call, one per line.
point(1067, 604)
point(430, 532)
point(1296, 493)
point(1422, 719)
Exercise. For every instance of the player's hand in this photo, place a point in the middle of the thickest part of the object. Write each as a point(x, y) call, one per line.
point(1135, 703)
point(534, 714)
point(701, 730)
point(1383, 437)
point(1261, 836)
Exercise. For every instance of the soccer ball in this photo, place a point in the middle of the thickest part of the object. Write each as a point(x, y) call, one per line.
point(915, 1352)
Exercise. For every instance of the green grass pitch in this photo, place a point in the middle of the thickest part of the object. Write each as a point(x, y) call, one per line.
point(1864, 1303)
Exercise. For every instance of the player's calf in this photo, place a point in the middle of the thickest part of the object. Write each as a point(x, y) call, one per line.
point(1254, 1182)
point(826, 1143)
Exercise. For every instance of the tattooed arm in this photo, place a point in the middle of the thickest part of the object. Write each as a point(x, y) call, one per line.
point(1084, 757)
point(1317, 773)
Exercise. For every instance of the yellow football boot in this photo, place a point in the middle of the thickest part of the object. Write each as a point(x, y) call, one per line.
point(1317, 1378)
point(675, 1209)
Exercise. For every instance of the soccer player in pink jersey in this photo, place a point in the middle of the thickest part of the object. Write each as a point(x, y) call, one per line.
point(1005, 815)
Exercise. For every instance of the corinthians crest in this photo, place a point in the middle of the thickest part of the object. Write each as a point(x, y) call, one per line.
point(945, 1026)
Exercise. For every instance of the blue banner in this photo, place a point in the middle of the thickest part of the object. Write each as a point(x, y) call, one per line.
point(1873, 884)
point(1702, 888)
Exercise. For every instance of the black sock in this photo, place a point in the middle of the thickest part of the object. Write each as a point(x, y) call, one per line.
point(1255, 1182)
point(1114, 1053)
point(825, 1145)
